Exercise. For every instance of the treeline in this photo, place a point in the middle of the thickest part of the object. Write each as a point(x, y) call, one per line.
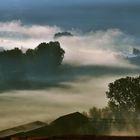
point(103, 121)
point(44, 59)
point(123, 111)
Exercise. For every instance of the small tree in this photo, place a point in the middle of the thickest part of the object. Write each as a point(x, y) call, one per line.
point(124, 94)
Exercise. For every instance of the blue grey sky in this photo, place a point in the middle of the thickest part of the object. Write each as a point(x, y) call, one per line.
point(85, 15)
point(22, 3)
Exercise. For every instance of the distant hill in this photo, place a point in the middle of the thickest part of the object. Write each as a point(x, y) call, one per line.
point(67, 124)
point(136, 51)
point(134, 58)
point(21, 129)
point(74, 126)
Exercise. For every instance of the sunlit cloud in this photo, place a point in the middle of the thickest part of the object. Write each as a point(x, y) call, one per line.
point(93, 48)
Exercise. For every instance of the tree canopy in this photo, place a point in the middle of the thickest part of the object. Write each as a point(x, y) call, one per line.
point(61, 34)
point(45, 58)
point(124, 94)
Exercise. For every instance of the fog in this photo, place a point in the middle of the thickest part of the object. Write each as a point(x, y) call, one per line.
point(111, 44)
point(92, 60)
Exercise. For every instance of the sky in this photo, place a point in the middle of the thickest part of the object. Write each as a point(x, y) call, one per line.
point(86, 15)
point(104, 32)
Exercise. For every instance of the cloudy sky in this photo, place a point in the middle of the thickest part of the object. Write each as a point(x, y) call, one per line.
point(105, 31)
point(85, 15)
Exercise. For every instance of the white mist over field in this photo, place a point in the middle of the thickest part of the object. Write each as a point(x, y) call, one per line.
point(97, 54)
point(100, 47)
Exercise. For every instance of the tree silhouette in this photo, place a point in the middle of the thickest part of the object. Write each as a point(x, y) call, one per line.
point(11, 64)
point(44, 59)
point(49, 54)
point(124, 94)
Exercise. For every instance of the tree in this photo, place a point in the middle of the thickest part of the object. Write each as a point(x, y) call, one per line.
point(49, 56)
point(11, 64)
point(101, 120)
point(124, 94)
point(44, 59)
point(30, 53)
point(95, 113)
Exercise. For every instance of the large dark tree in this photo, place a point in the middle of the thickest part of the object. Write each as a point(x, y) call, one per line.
point(44, 59)
point(50, 54)
point(124, 94)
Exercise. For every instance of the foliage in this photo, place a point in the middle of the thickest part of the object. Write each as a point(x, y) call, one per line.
point(61, 34)
point(44, 59)
point(122, 112)
point(124, 94)
point(101, 120)
point(105, 120)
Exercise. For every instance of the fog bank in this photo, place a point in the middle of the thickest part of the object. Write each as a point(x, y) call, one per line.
point(92, 60)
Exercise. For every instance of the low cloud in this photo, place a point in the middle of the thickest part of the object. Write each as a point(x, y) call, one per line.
point(93, 48)
point(15, 34)
point(99, 48)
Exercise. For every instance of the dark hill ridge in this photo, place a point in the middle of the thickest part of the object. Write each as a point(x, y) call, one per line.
point(22, 129)
point(67, 124)
point(76, 118)
point(64, 128)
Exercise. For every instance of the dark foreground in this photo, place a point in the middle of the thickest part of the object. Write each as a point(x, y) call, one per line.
point(78, 137)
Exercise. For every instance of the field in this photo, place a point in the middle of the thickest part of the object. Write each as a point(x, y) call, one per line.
point(79, 137)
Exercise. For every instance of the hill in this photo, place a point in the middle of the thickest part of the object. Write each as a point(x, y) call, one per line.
point(65, 125)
